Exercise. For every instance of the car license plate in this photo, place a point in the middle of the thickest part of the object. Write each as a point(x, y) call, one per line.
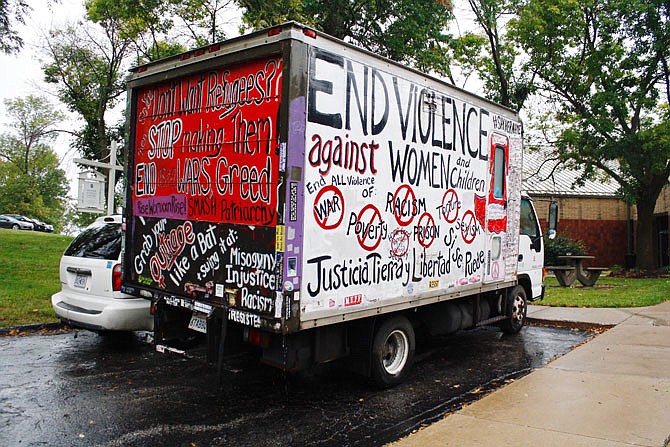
point(198, 323)
point(80, 281)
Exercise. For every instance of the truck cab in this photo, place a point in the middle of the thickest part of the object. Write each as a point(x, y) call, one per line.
point(530, 268)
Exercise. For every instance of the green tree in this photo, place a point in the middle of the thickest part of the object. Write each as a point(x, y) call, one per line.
point(86, 65)
point(409, 31)
point(31, 182)
point(203, 20)
point(493, 55)
point(11, 12)
point(143, 23)
point(604, 66)
point(162, 28)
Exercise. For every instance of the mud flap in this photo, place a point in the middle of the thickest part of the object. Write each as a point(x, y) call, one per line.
point(217, 330)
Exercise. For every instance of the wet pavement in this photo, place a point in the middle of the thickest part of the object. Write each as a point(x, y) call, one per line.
point(83, 389)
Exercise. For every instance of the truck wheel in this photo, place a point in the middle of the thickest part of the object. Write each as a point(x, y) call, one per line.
point(392, 351)
point(516, 310)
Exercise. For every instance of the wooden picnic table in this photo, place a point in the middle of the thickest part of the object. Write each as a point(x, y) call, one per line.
point(566, 274)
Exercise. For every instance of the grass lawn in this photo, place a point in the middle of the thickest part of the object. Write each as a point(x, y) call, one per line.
point(608, 292)
point(29, 275)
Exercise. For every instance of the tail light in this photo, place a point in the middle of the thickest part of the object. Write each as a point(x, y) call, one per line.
point(116, 278)
point(544, 273)
point(256, 338)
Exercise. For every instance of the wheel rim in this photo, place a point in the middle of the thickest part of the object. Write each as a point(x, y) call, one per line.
point(518, 309)
point(396, 350)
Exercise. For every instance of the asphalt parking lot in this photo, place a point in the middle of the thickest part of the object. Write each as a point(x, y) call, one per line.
point(78, 388)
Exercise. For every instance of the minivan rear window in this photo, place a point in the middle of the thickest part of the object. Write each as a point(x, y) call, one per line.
point(99, 241)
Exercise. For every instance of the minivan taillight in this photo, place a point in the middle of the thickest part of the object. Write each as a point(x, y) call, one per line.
point(116, 278)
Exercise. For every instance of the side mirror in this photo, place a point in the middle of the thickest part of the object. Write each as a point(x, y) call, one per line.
point(553, 220)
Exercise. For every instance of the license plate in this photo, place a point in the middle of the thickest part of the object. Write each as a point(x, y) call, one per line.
point(198, 323)
point(80, 281)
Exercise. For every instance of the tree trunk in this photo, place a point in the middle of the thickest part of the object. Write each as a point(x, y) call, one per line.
point(644, 234)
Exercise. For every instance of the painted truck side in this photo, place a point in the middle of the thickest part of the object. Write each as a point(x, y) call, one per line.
point(300, 194)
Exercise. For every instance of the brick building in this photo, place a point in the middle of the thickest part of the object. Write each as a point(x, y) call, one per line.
point(593, 213)
point(661, 227)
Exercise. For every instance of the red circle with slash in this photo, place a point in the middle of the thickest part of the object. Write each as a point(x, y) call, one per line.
point(450, 203)
point(426, 221)
point(469, 222)
point(329, 207)
point(409, 197)
point(371, 214)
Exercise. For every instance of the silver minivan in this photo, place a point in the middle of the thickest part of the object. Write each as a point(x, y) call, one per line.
point(90, 276)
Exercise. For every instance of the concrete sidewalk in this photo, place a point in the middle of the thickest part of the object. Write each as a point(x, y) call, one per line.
point(612, 391)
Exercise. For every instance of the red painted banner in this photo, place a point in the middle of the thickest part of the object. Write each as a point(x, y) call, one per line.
point(206, 146)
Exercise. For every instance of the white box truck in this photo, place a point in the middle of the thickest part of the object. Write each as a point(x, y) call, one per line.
point(294, 192)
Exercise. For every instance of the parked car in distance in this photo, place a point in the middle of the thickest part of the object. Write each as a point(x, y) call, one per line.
point(90, 276)
point(14, 224)
point(38, 225)
point(24, 219)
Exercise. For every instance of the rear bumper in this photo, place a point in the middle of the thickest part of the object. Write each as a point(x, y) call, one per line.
point(102, 313)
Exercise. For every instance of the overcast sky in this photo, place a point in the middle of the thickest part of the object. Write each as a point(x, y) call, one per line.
point(21, 74)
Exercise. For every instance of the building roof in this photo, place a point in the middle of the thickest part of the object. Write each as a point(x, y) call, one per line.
point(543, 175)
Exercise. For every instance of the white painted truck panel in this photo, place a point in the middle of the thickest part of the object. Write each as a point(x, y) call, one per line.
point(399, 187)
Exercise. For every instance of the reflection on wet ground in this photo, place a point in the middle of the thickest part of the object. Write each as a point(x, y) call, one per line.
point(84, 389)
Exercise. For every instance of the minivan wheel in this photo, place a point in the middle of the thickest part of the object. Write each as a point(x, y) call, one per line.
point(516, 308)
point(392, 351)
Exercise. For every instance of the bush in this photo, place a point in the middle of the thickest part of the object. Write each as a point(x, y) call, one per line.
point(561, 245)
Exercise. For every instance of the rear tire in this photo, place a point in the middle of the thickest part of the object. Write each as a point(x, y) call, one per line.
point(516, 308)
point(392, 352)
point(15, 227)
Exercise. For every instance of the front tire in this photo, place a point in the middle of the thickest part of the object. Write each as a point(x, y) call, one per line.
point(392, 351)
point(15, 227)
point(516, 308)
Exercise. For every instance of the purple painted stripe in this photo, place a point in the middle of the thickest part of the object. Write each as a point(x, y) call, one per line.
point(172, 207)
point(295, 159)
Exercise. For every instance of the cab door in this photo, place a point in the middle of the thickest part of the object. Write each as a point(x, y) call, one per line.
point(531, 247)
